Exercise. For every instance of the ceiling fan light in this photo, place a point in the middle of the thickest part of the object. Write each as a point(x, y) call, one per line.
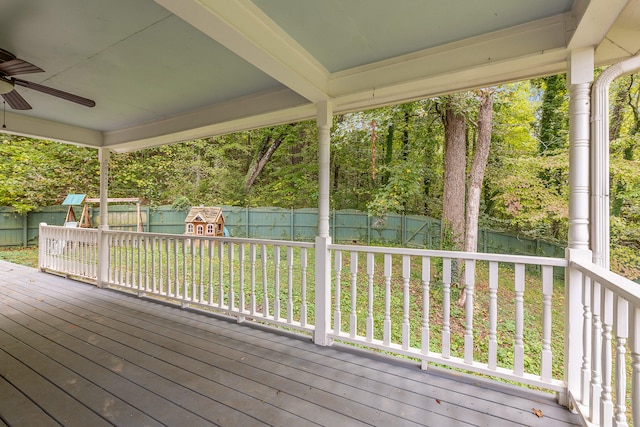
point(6, 86)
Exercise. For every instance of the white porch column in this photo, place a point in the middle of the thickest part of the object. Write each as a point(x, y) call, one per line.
point(103, 247)
point(323, 240)
point(579, 78)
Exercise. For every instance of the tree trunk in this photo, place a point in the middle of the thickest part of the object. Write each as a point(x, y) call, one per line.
point(476, 176)
point(453, 201)
point(617, 112)
point(265, 152)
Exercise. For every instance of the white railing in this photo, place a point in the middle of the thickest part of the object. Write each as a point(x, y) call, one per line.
point(609, 392)
point(396, 300)
point(373, 285)
point(71, 251)
point(264, 280)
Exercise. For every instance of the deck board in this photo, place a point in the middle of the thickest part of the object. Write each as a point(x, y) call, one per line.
point(121, 360)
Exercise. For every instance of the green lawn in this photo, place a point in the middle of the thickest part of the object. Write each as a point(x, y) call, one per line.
point(25, 256)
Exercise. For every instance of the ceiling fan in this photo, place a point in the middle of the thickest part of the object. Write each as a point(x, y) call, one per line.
point(11, 66)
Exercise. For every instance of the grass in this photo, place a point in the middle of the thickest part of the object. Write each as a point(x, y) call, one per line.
point(24, 256)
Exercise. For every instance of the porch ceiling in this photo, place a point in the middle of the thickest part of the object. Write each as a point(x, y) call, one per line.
point(170, 70)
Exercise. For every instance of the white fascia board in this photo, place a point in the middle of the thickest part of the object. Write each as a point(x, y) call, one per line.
point(252, 112)
point(491, 74)
point(33, 127)
point(478, 53)
point(244, 29)
point(593, 20)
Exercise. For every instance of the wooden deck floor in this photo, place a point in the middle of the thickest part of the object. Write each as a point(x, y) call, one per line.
point(72, 354)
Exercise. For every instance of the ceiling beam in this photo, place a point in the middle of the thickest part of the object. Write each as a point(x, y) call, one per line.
point(33, 127)
point(504, 48)
point(593, 20)
point(489, 74)
point(251, 112)
point(245, 30)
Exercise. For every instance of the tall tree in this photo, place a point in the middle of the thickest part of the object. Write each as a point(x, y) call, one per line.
point(476, 174)
point(455, 163)
point(478, 166)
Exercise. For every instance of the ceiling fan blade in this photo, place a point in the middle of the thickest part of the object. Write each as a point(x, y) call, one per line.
point(18, 66)
point(16, 101)
point(55, 92)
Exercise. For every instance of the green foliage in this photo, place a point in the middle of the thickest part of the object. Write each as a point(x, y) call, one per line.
point(41, 173)
point(387, 160)
point(554, 118)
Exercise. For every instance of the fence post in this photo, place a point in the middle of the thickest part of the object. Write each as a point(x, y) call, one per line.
point(246, 221)
point(25, 230)
point(147, 210)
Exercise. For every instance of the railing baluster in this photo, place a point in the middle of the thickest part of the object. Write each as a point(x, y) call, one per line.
point(290, 257)
point(606, 404)
point(303, 265)
point(147, 278)
point(622, 333)
point(265, 286)
point(493, 315)
point(193, 274)
point(120, 266)
point(446, 308)
point(547, 294)
point(128, 262)
point(353, 318)
point(210, 255)
point(201, 276)
point(184, 285)
point(231, 297)
point(241, 301)
point(518, 358)
point(585, 378)
point(386, 333)
point(252, 296)
point(337, 316)
point(176, 270)
point(426, 280)
point(153, 259)
point(220, 287)
point(139, 270)
point(406, 275)
point(370, 273)
point(634, 323)
point(596, 352)
point(276, 283)
point(167, 244)
point(470, 274)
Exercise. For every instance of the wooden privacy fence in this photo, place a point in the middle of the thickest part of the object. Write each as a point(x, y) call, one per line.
point(347, 226)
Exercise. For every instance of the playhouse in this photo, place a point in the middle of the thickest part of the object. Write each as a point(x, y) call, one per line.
point(205, 221)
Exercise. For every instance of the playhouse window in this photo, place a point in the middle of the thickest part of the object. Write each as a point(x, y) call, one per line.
point(190, 228)
point(200, 230)
point(209, 228)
